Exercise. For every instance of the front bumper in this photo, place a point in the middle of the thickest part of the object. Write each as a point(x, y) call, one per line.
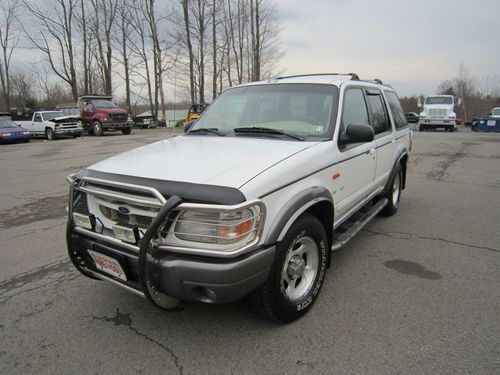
point(436, 123)
point(115, 125)
point(68, 131)
point(187, 278)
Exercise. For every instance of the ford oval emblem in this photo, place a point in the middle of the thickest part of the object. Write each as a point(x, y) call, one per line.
point(123, 210)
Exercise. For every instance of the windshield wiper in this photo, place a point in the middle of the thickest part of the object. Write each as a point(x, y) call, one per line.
point(206, 130)
point(256, 129)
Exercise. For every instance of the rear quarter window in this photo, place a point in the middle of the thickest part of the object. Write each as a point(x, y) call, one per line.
point(397, 111)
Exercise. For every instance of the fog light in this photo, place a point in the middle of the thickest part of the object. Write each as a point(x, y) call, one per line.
point(126, 233)
point(84, 221)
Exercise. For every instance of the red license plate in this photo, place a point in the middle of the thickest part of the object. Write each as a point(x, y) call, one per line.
point(108, 265)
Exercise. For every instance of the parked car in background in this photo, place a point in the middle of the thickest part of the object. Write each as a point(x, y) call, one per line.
point(411, 117)
point(10, 132)
point(144, 121)
point(487, 124)
point(52, 124)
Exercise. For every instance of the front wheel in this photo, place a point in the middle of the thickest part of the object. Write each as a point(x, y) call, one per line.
point(394, 194)
point(126, 131)
point(297, 274)
point(97, 128)
point(49, 134)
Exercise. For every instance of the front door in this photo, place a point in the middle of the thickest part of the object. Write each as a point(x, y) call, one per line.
point(358, 160)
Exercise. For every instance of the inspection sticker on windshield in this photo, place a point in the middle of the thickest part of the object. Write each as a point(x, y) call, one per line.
point(107, 264)
point(318, 128)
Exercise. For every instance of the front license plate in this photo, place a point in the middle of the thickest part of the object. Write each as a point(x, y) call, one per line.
point(491, 123)
point(107, 264)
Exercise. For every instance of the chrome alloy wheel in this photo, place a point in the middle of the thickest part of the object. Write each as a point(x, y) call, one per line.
point(300, 268)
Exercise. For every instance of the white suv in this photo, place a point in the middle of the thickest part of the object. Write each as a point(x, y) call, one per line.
point(251, 200)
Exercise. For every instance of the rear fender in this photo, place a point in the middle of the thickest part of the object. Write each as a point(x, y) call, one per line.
point(401, 159)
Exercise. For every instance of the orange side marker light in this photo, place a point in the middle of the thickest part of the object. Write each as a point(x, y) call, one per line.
point(335, 175)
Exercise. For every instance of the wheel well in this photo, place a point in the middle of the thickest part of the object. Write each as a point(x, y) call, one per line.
point(324, 212)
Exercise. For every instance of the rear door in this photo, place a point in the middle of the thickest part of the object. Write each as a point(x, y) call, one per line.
point(385, 144)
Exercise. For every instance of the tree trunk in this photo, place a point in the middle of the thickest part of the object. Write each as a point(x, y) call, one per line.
point(190, 48)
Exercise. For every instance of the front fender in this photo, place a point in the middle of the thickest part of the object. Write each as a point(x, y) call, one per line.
point(295, 207)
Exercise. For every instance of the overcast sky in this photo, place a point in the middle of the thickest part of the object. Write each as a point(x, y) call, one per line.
point(413, 45)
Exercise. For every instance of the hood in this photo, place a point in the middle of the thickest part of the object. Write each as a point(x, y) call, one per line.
point(13, 129)
point(221, 161)
point(65, 119)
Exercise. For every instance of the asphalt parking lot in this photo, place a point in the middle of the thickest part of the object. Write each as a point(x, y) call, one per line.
point(417, 293)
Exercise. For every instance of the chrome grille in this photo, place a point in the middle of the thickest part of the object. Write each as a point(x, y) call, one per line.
point(437, 112)
point(129, 219)
point(119, 203)
point(134, 214)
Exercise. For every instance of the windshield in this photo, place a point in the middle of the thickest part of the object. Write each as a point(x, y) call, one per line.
point(496, 112)
point(47, 116)
point(439, 100)
point(302, 111)
point(103, 104)
point(5, 123)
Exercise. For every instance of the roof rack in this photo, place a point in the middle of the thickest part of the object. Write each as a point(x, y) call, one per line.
point(354, 76)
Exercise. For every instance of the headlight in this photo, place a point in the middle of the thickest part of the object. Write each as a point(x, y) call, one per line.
point(215, 227)
point(26, 133)
point(5, 134)
point(422, 115)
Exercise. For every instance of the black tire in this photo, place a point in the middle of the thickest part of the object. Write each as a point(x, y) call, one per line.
point(97, 128)
point(394, 194)
point(126, 131)
point(49, 134)
point(303, 251)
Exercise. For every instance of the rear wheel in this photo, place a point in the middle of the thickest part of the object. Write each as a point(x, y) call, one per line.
point(126, 131)
point(297, 273)
point(97, 128)
point(394, 194)
point(49, 134)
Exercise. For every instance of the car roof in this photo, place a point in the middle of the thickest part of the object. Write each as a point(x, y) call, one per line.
point(336, 79)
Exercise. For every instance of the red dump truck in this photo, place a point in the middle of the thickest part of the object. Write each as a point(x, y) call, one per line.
point(99, 114)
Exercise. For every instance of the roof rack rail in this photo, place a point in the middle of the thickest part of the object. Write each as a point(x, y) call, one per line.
point(354, 76)
point(376, 80)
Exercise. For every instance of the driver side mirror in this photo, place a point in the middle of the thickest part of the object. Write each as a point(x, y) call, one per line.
point(357, 133)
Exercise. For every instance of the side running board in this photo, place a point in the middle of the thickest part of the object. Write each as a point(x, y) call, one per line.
point(354, 229)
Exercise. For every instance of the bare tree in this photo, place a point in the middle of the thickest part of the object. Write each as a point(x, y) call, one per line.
point(185, 11)
point(104, 17)
point(123, 37)
point(52, 34)
point(140, 47)
point(9, 40)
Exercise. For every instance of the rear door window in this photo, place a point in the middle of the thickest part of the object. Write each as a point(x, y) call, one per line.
point(378, 114)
